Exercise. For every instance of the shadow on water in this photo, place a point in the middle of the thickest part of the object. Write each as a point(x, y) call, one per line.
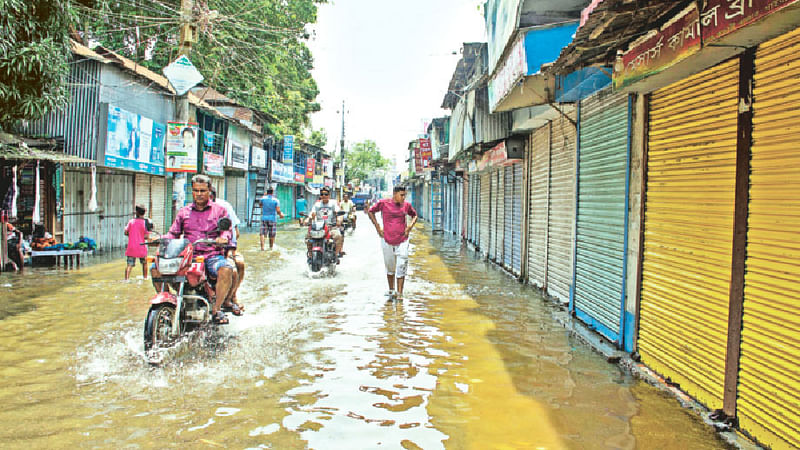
point(546, 362)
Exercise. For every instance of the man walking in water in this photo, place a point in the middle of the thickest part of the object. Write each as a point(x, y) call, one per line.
point(395, 233)
point(270, 210)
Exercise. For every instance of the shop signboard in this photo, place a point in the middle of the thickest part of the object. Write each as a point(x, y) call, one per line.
point(513, 69)
point(329, 182)
point(299, 178)
point(134, 142)
point(182, 75)
point(282, 173)
point(425, 152)
point(288, 148)
point(236, 155)
point(417, 158)
point(310, 166)
point(327, 167)
point(686, 33)
point(182, 147)
point(213, 164)
point(258, 158)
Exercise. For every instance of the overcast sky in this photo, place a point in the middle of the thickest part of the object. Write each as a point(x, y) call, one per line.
point(391, 62)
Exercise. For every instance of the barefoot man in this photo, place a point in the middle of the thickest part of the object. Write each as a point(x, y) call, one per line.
point(394, 236)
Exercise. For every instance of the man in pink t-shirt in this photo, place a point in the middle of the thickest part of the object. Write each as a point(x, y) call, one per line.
point(136, 230)
point(394, 236)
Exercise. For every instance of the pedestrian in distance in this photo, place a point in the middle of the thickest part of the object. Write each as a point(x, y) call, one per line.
point(270, 210)
point(394, 237)
point(136, 230)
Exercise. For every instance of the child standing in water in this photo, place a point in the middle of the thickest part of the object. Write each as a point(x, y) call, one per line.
point(136, 230)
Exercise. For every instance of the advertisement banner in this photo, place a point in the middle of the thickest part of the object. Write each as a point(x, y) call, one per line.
point(299, 178)
point(213, 164)
point(134, 142)
point(236, 155)
point(425, 152)
point(181, 147)
point(417, 159)
point(282, 173)
point(329, 182)
point(310, 166)
point(327, 167)
point(258, 158)
point(288, 149)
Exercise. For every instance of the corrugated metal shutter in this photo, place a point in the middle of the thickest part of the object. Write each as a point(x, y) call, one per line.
point(158, 203)
point(508, 239)
point(474, 218)
point(689, 231)
point(600, 246)
point(483, 234)
point(517, 218)
point(493, 215)
point(539, 148)
point(561, 218)
point(769, 376)
point(285, 195)
point(499, 217)
point(141, 195)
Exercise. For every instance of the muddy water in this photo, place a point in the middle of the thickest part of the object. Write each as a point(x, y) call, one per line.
point(470, 359)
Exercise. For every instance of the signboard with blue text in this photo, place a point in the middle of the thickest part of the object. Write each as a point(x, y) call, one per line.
point(282, 173)
point(134, 142)
point(288, 149)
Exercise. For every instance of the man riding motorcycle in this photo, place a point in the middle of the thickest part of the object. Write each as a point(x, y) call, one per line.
point(349, 208)
point(199, 221)
point(327, 207)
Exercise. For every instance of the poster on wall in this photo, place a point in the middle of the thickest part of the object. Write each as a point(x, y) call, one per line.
point(258, 158)
point(236, 155)
point(134, 142)
point(213, 164)
point(182, 147)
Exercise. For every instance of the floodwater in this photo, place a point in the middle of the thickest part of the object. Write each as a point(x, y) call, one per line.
point(469, 360)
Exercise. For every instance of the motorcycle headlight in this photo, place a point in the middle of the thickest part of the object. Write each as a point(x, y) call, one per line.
point(317, 234)
point(169, 266)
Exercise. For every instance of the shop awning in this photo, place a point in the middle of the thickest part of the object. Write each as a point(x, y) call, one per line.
point(17, 148)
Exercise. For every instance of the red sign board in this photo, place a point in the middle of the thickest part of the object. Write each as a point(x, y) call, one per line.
point(425, 152)
point(687, 33)
point(417, 159)
point(299, 177)
point(310, 163)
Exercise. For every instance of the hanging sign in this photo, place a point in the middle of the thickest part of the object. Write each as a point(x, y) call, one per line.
point(310, 166)
point(288, 149)
point(182, 75)
point(425, 152)
point(181, 147)
point(134, 142)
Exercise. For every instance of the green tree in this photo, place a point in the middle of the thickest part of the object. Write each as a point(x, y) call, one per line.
point(252, 51)
point(318, 138)
point(34, 57)
point(363, 160)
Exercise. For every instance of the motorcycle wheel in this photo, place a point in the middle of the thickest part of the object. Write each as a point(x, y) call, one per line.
point(316, 262)
point(157, 327)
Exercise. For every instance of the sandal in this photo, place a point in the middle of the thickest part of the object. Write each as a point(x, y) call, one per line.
point(220, 319)
point(233, 308)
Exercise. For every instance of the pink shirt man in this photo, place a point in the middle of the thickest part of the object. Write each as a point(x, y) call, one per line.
point(394, 219)
point(195, 224)
point(137, 230)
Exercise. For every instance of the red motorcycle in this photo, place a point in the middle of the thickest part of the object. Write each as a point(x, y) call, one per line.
point(172, 315)
point(323, 249)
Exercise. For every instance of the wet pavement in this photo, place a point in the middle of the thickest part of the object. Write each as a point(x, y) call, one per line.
point(470, 359)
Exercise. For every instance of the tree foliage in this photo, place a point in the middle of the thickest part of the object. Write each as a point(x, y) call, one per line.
point(252, 51)
point(34, 56)
point(363, 160)
point(318, 138)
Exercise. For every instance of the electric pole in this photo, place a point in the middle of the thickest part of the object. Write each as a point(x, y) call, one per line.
point(341, 147)
point(186, 37)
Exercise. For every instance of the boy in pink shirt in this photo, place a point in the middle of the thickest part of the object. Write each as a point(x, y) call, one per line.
point(136, 230)
point(394, 236)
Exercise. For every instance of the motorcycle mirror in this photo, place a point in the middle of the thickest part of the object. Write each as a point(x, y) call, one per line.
point(224, 224)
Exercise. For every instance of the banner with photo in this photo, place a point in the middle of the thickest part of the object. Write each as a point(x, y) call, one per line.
point(258, 158)
point(134, 142)
point(236, 155)
point(213, 164)
point(182, 141)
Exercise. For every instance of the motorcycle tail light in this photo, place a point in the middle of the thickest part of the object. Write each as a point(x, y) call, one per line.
point(200, 259)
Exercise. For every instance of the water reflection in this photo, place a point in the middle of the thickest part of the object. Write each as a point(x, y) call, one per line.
point(470, 359)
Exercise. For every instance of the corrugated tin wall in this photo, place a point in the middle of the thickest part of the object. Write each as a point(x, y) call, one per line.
point(561, 218)
point(769, 378)
point(115, 193)
point(518, 210)
point(508, 235)
point(539, 180)
point(688, 230)
point(493, 214)
point(77, 123)
point(484, 203)
point(500, 215)
point(602, 206)
point(489, 127)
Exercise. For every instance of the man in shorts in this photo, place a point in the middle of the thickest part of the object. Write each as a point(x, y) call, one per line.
point(394, 237)
point(270, 210)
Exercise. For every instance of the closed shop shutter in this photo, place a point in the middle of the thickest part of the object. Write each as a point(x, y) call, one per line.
point(602, 206)
point(499, 218)
point(769, 378)
point(483, 234)
point(516, 263)
point(539, 148)
point(561, 217)
point(142, 191)
point(240, 205)
point(492, 250)
point(688, 231)
point(508, 238)
point(158, 203)
point(474, 185)
point(285, 195)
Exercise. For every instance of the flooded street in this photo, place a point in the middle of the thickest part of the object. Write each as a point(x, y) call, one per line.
point(470, 359)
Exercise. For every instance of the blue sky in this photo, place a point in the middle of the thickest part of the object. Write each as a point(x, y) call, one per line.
point(391, 62)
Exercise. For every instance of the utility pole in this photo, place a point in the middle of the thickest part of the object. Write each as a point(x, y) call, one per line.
point(341, 147)
point(186, 37)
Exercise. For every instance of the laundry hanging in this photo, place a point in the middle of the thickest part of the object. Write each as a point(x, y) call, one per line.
point(36, 218)
point(93, 198)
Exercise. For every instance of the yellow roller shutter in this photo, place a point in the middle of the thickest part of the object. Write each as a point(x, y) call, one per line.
point(769, 376)
point(688, 231)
